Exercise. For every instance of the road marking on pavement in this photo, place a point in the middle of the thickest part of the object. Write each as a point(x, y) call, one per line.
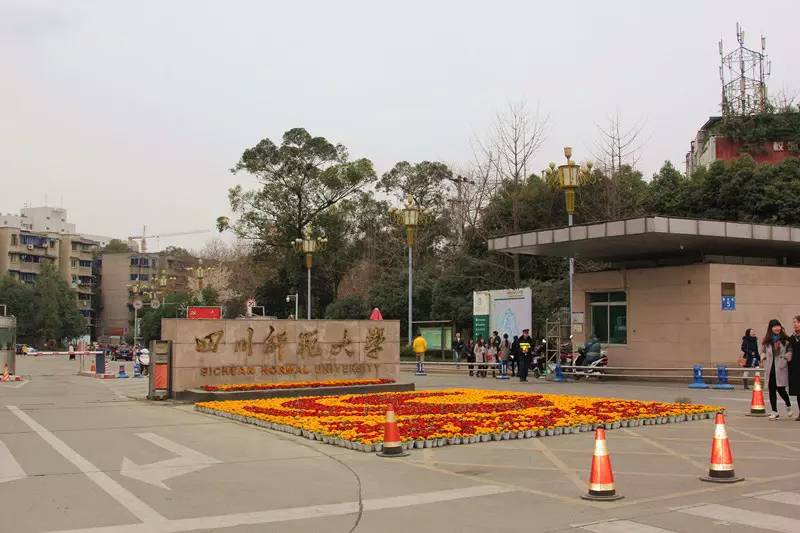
point(124, 497)
point(559, 464)
point(623, 526)
point(10, 469)
point(789, 498)
point(762, 439)
point(730, 399)
point(666, 449)
point(732, 515)
point(188, 461)
point(299, 513)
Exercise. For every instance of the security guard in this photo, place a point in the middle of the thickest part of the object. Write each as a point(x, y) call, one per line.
point(526, 347)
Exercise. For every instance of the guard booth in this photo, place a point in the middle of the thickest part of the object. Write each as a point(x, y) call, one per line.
point(672, 292)
point(8, 342)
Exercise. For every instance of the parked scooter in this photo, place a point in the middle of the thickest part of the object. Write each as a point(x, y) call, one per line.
point(592, 357)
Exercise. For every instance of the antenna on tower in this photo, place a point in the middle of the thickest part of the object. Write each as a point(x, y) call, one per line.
point(743, 74)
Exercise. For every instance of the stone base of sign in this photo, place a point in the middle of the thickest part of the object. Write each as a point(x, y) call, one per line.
point(200, 395)
point(88, 374)
point(242, 351)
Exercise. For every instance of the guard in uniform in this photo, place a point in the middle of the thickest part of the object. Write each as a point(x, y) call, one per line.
point(526, 349)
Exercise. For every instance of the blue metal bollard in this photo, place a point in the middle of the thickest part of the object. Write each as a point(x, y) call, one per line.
point(722, 378)
point(420, 369)
point(137, 370)
point(698, 382)
point(122, 373)
point(558, 375)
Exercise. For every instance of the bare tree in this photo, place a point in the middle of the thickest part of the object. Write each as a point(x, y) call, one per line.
point(518, 135)
point(617, 145)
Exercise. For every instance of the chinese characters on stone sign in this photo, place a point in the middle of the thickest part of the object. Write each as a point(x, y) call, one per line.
point(307, 344)
point(345, 344)
point(374, 345)
point(209, 343)
point(274, 343)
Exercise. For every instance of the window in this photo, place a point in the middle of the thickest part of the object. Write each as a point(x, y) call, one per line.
point(74, 263)
point(14, 239)
point(609, 318)
point(144, 277)
point(134, 277)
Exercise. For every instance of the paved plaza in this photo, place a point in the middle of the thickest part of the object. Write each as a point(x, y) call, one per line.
point(81, 454)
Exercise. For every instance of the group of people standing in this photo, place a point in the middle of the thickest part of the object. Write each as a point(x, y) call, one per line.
point(514, 354)
point(779, 355)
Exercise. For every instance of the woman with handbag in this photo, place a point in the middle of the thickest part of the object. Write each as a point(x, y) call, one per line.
point(777, 352)
point(750, 357)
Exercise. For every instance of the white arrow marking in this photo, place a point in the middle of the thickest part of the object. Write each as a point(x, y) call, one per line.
point(188, 461)
point(9, 467)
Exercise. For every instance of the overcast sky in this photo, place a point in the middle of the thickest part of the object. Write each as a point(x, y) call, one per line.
point(132, 113)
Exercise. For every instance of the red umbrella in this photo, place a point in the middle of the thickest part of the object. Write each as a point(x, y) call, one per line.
point(376, 314)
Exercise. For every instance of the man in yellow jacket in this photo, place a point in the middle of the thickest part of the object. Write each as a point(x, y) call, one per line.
point(420, 345)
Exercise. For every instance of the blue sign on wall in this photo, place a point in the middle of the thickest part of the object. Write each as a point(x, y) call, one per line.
point(729, 303)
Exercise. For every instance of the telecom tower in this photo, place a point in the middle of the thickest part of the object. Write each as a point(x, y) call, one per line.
point(743, 73)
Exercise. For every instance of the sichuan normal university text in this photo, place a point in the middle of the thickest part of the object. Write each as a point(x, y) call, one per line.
point(284, 370)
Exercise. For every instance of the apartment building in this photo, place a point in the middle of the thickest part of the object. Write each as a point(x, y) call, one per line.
point(128, 276)
point(24, 251)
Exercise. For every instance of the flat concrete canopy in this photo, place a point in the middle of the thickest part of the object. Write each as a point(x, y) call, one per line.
point(654, 238)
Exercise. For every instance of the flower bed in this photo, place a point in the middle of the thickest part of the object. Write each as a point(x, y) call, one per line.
point(295, 385)
point(450, 416)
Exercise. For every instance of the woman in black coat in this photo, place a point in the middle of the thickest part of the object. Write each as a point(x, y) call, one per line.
point(749, 353)
point(794, 364)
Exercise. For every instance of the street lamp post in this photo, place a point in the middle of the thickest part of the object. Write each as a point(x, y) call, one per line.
point(308, 245)
point(410, 217)
point(569, 176)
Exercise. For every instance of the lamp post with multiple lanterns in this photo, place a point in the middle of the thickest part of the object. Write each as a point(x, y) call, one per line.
point(308, 246)
point(569, 178)
point(410, 217)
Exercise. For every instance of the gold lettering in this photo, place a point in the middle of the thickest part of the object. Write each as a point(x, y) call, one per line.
point(307, 344)
point(245, 345)
point(344, 344)
point(274, 343)
point(374, 345)
point(209, 343)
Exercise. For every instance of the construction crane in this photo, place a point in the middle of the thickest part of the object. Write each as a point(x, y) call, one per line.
point(142, 239)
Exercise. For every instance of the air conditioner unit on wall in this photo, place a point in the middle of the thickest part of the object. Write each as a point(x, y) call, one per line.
point(30, 247)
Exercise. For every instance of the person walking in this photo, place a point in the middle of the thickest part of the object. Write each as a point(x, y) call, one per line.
point(480, 357)
point(776, 351)
point(470, 356)
point(525, 345)
point(504, 354)
point(750, 356)
point(513, 356)
point(458, 348)
point(794, 363)
point(491, 358)
point(420, 345)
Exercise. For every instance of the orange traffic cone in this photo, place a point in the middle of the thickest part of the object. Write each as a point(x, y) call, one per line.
point(6, 375)
point(757, 407)
point(721, 469)
point(601, 479)
point(392, 446)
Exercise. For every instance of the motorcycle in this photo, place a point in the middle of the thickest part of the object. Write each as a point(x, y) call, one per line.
point(594, 364)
